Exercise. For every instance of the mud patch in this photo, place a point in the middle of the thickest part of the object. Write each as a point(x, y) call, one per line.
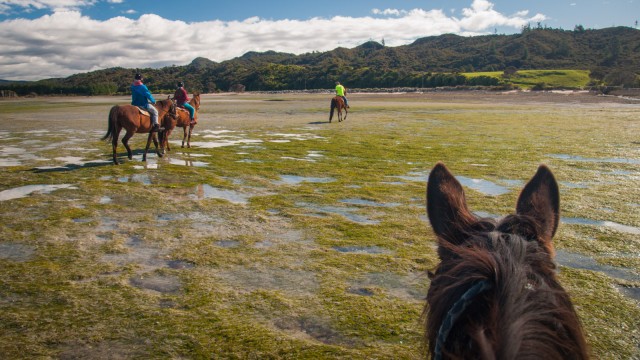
point(166, 284)
point(410, 287)
point(110, 350)
point(317, 328)
point(293, 282)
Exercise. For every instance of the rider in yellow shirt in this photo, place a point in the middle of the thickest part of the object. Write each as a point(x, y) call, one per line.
point(341, 91)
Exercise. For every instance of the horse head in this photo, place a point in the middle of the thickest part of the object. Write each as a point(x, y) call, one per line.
point(196, 100)
point(494, 293)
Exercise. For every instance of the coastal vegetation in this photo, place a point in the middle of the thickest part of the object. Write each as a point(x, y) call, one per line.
point(574, 59)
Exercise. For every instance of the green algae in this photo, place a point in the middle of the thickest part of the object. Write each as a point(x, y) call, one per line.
point(265, 278)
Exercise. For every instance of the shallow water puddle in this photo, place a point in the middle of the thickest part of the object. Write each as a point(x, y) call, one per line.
point(204, 191)
point(141, 178)
point(295, 180)
point(222, 143)
point(480, 185)
point(188, 162)
point(312, 156)
point(105, 200)
point(24, 191)
point(228, 244)
point(583, 262)
point(9, 162)
point(16, 252)
point(363, 202)
point(609, 224)
point(483, 186)
point(363, 250)
point(343, 211)
point(594, 160)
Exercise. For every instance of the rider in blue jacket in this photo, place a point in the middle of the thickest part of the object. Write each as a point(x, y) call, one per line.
point(141, 97)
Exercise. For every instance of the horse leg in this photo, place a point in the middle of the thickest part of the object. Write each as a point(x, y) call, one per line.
point(346, 112)
point(146, 148)
point(125, 142)
point(166, 139)
point(155, 142)
point(114, 145)
point(184, 134)
point(331, 111)
point(189, 137)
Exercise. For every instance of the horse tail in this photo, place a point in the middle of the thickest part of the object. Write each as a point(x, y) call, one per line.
point(111, 123)
point(333, 106)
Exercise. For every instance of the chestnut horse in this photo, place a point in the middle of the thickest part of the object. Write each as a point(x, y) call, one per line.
point(182, 120)
point(133, 121)
point(337, 103)
point(494, 294)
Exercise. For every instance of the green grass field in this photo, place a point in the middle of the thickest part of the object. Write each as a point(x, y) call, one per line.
point(280, 235)
point(526, 79)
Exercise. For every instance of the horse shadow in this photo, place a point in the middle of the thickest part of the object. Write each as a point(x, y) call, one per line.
point(319, 122)
point(72, 167)
point(86, 165)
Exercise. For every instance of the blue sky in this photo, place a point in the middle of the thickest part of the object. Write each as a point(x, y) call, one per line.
point(56, 38)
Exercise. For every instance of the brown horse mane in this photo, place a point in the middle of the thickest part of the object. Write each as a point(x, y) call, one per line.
point(494, 294)
point(515, 315)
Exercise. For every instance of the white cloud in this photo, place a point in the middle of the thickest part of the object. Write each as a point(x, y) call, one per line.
point(394, 12)
point(65, 42)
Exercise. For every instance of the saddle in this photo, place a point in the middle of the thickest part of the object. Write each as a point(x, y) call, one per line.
point(180, 108)
point(143, 111)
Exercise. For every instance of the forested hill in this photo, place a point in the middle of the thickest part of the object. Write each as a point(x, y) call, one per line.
point(374, 65)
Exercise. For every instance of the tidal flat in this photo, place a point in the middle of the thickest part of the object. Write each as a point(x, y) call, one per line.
point(281, 235)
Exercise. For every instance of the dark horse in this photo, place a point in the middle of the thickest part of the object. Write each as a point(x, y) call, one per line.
point(494, 294)
point(337, 103)
point(133, 121)
point(182, 120)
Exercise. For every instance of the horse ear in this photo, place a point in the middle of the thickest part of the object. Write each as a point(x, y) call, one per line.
point(540, 199)
point(447, 206)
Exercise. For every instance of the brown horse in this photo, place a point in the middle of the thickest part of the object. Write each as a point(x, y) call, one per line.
point(494, 294)
point(133, 121)
point(337, 103)
point(182, 120)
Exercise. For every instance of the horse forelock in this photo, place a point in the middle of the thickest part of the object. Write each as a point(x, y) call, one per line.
point(526, 311)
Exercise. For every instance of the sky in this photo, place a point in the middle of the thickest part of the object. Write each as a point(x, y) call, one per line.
point(41, 39)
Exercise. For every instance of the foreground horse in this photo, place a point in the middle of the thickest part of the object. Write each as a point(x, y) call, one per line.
point(130, 118)
point(337, 103)
point(182, 120)
point(495, 294)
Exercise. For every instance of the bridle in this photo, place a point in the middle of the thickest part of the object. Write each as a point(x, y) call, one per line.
point(458, 308)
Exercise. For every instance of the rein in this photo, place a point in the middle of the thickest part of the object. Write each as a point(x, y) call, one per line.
point(455, 312)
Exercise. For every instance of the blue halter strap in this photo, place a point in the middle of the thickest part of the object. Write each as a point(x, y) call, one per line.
point(455, 312)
